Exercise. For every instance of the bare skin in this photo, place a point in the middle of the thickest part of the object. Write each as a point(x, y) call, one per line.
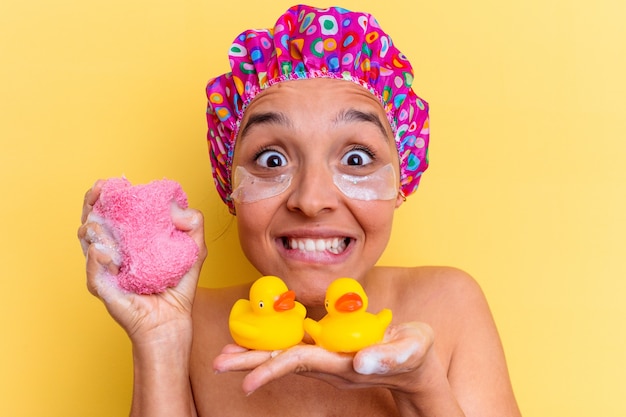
point(447, 299)
point(441, 356)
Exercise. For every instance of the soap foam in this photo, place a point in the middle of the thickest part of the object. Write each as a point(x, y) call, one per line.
point(374, 362)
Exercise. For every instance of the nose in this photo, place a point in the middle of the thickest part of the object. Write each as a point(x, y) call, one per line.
point(313, 192)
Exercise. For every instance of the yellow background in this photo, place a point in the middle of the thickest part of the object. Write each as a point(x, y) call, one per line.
point(526, 190)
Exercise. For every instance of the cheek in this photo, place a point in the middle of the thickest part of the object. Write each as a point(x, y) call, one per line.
point(250, 218)
point(376, 219)
point(253, 221)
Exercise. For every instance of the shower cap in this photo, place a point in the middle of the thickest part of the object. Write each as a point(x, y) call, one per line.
point(308, 42)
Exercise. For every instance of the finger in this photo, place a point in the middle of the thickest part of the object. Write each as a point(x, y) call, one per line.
point(233, 360)
point(191, 221)
point(101, 266)
point(96, 232)
point(186, 219)
point(404, 349)
point(91, 196)
point(102, 283)
point(298, 359)
point(234, 348)
point(82, 238)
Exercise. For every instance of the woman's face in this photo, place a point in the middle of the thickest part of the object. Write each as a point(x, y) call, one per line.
point(308, 232)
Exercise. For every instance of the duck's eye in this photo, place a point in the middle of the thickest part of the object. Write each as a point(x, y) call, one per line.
point(326, 303)
point(261, 304)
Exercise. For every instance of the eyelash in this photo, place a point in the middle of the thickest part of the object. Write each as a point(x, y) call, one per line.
point(355, 147)
point(262, 150)
point(363, 148)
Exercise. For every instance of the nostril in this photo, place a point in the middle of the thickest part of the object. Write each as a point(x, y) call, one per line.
point(313, 196)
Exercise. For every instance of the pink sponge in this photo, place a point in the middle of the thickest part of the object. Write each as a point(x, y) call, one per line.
point(155, 255)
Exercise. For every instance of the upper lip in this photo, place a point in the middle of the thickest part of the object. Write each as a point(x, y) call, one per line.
point(315, 234)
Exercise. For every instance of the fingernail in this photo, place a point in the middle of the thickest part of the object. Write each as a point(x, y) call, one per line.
point(93, 236)
point(195, 220)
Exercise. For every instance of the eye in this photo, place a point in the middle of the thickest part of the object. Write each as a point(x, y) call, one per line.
point(261, 304)
point(359, 155)
point(271, 159)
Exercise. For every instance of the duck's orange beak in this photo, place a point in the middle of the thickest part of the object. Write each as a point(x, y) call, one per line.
point(285, 301)
point(349, 302)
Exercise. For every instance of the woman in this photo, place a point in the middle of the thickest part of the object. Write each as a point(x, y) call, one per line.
point(316, 137)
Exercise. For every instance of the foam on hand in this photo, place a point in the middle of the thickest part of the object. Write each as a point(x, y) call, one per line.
point(154, 253)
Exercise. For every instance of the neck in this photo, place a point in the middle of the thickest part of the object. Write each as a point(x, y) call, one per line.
point(315, 312)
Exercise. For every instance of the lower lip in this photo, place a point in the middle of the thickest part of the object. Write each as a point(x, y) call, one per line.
point(313, 257)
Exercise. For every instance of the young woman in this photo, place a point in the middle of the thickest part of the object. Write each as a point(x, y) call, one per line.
point(316, 138)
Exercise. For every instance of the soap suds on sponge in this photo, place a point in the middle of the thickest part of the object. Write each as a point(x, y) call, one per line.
point(154, 254)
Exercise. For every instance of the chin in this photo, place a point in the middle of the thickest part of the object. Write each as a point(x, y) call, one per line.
point(310, 290)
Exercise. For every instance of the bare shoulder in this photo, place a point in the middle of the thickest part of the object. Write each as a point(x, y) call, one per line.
point(428, 290)
point(441, 277)
point(466, 338)
point(448, 299)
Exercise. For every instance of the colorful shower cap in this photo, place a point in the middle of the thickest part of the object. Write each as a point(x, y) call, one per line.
point(308, 42)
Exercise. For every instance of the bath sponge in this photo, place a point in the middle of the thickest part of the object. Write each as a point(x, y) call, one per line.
point(154, 254)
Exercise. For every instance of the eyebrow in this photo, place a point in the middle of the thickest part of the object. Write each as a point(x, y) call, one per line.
point(265, 118)
point(353, 115)
point(346, 116)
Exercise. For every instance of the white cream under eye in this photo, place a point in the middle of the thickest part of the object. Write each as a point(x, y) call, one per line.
point(248, 188)
point(378, 185)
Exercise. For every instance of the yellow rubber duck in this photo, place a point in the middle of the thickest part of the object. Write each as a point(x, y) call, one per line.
point(347, 326)
point(270, 320)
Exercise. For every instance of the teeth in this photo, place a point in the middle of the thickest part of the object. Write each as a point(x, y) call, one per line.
point(334, 245)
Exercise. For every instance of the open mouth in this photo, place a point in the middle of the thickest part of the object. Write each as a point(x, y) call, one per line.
point(335, 245)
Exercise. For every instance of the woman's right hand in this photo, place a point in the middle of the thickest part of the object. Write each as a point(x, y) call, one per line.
point(147, 319)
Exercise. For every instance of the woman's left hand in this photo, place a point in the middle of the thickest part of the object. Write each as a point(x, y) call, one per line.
point(403, 362)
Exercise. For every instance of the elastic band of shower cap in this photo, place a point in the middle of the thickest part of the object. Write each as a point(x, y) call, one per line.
point(308, 42)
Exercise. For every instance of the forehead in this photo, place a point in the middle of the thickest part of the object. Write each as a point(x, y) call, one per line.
point(315, 95)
